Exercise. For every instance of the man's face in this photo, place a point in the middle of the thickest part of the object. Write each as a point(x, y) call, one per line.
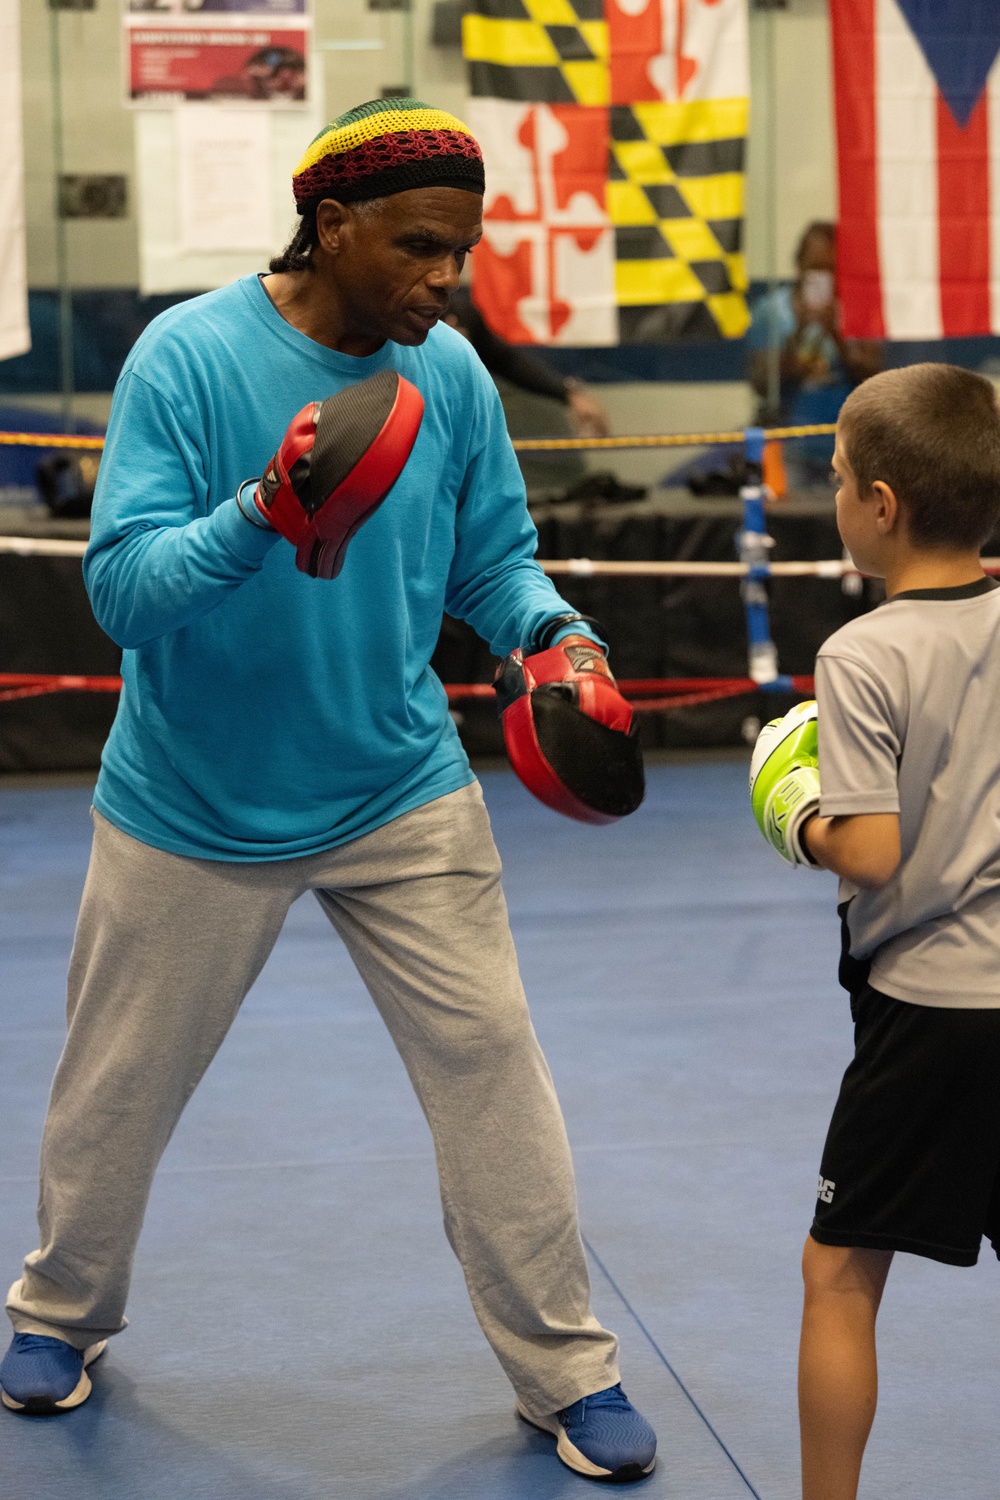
point(819, 253)
point(395, 264)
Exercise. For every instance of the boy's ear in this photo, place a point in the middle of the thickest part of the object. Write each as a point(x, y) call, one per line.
point(888, 512)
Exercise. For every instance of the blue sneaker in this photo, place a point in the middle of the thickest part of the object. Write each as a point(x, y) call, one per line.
point(602, 1436)
point(43, 1376)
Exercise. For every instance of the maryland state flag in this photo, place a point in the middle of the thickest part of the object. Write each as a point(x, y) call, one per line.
point(613, 133)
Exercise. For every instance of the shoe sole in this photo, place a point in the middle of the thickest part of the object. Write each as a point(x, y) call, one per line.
point(41, 1406)
point(575, 1460)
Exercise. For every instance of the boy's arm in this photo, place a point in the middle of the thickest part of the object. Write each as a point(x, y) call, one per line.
point(863, 849)
point(856, 833)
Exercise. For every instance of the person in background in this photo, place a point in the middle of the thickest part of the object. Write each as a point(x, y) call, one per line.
point(522, 368)
point(818, 367)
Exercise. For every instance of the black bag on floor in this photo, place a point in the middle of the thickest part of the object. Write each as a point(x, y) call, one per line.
point(66, 489)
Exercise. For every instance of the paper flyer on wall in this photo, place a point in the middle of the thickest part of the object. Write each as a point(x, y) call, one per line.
point(231, 51)
point(224, 179)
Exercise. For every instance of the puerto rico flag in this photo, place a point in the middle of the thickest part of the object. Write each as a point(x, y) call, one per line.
point(917, 90)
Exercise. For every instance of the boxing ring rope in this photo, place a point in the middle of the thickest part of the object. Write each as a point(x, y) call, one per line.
point(671, 439)
point(521, 445)
point(683, 692)
point(754, 569)
point(575, 567)
point(48, 440)
point(38, 684)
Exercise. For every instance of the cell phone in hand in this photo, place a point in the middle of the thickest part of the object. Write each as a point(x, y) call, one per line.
point(816, 290)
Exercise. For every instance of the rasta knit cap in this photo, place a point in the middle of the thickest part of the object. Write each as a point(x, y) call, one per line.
point(386, 147)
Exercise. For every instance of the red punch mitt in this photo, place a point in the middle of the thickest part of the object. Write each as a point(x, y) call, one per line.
point(570, 734)
point(337, 462)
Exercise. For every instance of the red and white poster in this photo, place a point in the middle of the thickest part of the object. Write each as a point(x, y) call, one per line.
point(170, 60)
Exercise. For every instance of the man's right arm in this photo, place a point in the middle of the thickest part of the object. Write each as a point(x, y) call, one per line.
point(158, 557)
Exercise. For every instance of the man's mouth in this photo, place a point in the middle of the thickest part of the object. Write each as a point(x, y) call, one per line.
point(430, 315)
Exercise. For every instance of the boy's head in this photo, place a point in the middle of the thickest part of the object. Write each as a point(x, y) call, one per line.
point(931, 434)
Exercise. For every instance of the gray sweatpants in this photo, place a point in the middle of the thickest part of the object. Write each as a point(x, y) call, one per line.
point(167, 947)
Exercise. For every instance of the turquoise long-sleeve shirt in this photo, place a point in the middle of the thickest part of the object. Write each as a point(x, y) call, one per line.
point(266, 714)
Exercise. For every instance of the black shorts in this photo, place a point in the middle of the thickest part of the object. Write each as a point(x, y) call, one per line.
point(912, 1157)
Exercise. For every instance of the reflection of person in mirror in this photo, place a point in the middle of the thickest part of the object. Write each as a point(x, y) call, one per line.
point(818, 367)
point(525, 369)
point(270, 73)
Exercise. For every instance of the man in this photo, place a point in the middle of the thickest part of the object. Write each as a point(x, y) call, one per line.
point(522, 376)
point(522, 367)
point(279, 733)
point(818, 368)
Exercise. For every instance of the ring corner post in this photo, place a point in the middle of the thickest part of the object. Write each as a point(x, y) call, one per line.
point(754, 546)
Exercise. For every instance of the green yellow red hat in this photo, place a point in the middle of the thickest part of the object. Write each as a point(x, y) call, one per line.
point(388, 146)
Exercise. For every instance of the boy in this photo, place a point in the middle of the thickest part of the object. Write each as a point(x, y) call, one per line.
point(908, 725)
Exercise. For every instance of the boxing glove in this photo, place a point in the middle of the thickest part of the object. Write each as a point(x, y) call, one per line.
point(784, 781)
point(571, 736)
point(337, 462)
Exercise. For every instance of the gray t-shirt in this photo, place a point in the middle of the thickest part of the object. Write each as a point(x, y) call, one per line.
point(909, 722)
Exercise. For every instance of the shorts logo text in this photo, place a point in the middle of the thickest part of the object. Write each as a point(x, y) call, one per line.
point(825, 1190)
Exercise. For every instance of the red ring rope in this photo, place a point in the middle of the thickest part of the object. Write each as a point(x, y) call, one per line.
point(684, 692)
point(37, 684)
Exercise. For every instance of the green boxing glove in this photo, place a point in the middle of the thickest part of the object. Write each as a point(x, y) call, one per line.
point(784, 781)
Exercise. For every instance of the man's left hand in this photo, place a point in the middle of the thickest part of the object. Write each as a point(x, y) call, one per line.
point(588, 415)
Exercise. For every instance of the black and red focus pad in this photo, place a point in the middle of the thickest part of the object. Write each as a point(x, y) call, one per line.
point(570, 734)
point(337, 462)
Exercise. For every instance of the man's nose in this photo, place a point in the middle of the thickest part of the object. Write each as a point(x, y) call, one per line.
point(445, 274)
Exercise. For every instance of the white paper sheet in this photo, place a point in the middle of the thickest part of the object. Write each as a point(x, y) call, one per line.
point(224, 178)
point(15, 337)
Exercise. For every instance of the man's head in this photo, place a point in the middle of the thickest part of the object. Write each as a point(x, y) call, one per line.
point(817, 248)
point(926, 438)
point(390, 196)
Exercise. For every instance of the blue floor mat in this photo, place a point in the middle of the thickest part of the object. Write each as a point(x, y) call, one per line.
point(299, 1326)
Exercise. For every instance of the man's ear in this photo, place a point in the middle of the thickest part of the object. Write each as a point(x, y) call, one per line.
point(331, 220)
point(888, 513)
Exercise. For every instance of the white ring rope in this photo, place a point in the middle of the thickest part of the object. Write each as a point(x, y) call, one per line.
point(41, 546)
point(576, 567)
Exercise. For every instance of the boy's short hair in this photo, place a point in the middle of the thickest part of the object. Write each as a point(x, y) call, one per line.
point(932, 434)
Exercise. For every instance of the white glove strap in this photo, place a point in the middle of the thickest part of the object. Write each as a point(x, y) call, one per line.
point(793, 833)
